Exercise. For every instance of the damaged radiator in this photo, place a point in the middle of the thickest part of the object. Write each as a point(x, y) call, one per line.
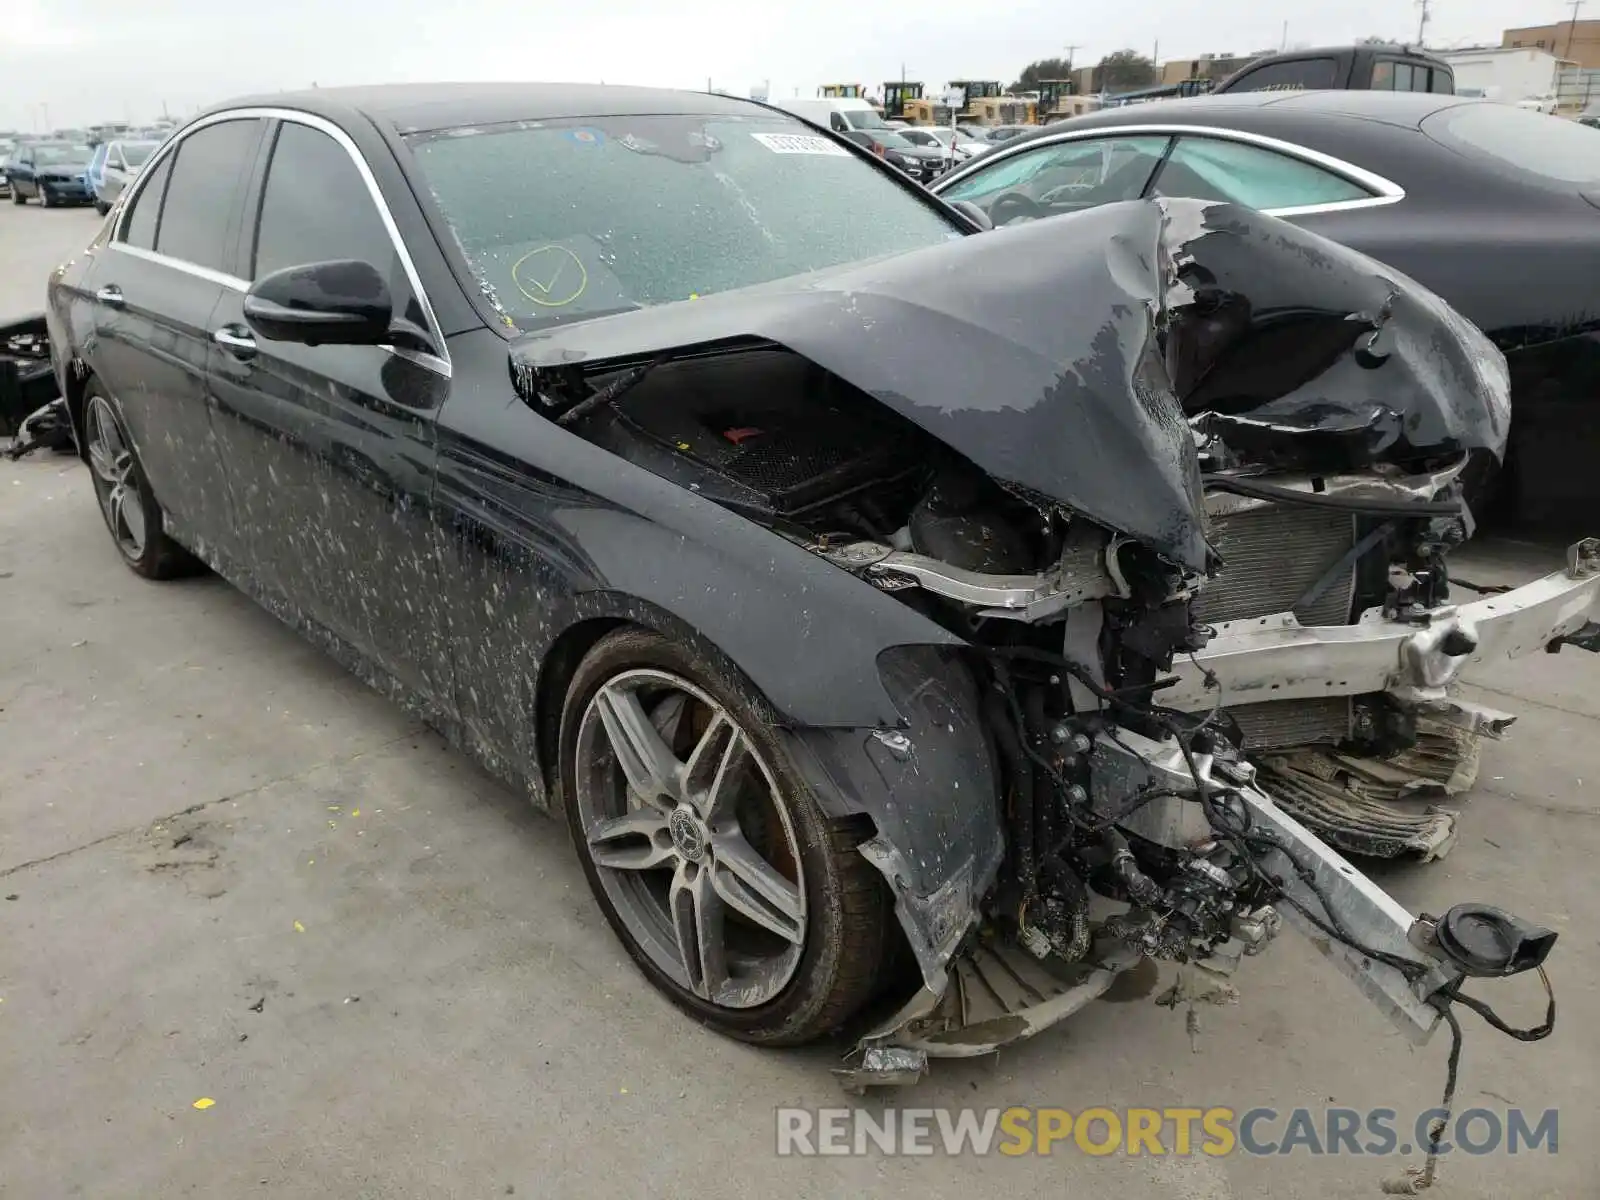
point(1273, 556)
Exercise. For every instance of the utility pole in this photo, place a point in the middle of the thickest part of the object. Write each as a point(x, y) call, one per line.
point(1572, 29)
point(1422, 22)
point(1284, 43)
point(1155, 62)
point(1070, 51)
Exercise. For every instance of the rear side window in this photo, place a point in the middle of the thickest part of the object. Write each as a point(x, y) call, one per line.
point(316, 207)
point(1075, 174)
point(203, 193)
point(1300, 74)
point(140, 228)
point(1214, 169)
point(1551, 148)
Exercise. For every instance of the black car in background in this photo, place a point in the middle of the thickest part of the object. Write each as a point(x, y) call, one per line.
point(922, 163)
point(1495, 208)
point(50, 172)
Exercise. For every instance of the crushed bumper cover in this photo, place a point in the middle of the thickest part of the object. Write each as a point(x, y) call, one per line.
point(993, 994)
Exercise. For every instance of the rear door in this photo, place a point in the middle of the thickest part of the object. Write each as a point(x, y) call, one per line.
point(330, 449)
point(168, 263)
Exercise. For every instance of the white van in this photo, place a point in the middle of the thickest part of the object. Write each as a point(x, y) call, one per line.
point(836, 113)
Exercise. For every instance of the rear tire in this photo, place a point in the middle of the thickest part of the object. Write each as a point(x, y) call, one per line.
point(101, 207)
point(44, 198)
point(761, 827)
point(136, 522)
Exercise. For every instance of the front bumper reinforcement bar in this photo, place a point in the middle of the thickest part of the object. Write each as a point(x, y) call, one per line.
point(1277, 658)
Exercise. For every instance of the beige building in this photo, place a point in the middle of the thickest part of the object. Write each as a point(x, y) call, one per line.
point(1577, 41)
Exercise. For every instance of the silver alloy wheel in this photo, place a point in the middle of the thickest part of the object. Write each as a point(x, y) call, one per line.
point(114, 480)
point(691, 839)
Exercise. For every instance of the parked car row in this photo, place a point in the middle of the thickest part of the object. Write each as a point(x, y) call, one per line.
point(57, 171)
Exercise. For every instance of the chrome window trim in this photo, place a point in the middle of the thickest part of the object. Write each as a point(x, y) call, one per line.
point(1385, 191)
point(439, 363)
point(184, 265)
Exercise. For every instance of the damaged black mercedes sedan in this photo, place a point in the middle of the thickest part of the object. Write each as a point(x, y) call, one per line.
point(847, 575)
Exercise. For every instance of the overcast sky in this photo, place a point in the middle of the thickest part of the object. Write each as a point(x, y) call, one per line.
point(72, 62)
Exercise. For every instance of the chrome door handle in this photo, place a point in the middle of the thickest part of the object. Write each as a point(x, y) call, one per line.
point(111, 294)
point(242, 345)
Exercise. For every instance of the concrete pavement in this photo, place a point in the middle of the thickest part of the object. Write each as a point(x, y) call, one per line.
point(230, 872)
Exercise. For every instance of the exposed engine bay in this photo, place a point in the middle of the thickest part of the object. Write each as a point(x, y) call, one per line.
point(1185, 481)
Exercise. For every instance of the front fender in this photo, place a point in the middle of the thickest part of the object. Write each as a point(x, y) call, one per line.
point(931, 789)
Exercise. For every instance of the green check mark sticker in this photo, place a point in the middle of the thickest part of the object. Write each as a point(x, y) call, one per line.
point(550, 276)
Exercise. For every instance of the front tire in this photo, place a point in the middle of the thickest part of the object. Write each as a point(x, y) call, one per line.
point(17, 197)
point(709, 855)
point(44, 197)
point(130, 510)
point(101, 207)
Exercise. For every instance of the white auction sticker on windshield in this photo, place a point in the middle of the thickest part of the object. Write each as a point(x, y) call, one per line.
point(799, 143)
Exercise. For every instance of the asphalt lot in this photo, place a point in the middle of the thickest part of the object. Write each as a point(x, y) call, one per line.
point(231, 872)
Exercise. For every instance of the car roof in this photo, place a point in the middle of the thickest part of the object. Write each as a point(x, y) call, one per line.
point(1245, 110)
point(420, 107)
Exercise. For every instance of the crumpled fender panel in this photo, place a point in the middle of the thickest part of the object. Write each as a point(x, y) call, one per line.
point(931, 789)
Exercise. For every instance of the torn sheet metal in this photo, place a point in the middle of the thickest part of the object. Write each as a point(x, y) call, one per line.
point(47, 428)
point(1067, 356)
point(27, 380)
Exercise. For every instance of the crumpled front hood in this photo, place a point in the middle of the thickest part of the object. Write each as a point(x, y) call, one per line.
point(1058, 355)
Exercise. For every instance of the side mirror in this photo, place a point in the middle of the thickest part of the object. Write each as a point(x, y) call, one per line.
point(340, 303)
point(973, 213)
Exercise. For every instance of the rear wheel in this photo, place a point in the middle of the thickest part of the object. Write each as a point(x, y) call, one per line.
point(44, 197)
point(126, 502)
point(707, 852)
point(101, 207)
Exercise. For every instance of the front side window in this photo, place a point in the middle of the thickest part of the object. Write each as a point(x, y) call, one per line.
point(145, 213)
point(203, 192)
point(316, 207)
point(1213, 169)
point(566, 219)
point(1062, 177)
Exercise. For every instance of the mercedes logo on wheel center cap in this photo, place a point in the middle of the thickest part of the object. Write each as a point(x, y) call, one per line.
point(686, 835)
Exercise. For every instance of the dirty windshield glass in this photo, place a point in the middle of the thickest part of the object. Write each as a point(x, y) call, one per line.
point(563, 220)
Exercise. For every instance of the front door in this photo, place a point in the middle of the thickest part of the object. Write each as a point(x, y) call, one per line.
point(330, 449)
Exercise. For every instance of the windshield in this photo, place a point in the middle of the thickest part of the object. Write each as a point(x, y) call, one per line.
point(135, 153)
point(919, 137)
point(893, 139)
point(1556, 150)
point(564, 220)
point(61, 152)
point(863, 118)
